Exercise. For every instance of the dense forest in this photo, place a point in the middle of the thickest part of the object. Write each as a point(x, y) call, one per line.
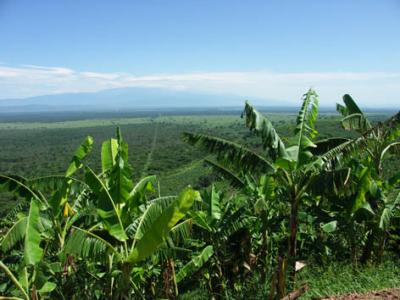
point(258, 207)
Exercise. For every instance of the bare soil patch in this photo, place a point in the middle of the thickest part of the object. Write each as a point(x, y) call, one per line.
point(390, 294)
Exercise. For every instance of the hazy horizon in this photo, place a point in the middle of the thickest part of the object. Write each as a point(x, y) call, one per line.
point(259, 50)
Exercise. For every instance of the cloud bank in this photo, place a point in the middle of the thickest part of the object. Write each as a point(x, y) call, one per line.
point(371, 89)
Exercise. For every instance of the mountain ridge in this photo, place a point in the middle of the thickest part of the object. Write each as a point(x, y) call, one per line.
point(128, 98)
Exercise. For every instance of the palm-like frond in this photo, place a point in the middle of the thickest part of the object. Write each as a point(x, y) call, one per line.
point(137, 195)
point(323, 146)
point(354, 119)
point(230, 153)
point(351, 105)
point(53, 182)
point(181, 231)
point(163, 202)
point(157, 223)
point(14, 235)
point(345, 149)
point(392, 147)
point(341, 109)
point(392, 127)
point(342, 151)
point(388, 211)
point(232, 222)
point(195, 264)
point(305, 127)
point(19, 186)
point(86, 244)
point(12, 214)
point(357, 122)
point(225, 173)
point(263, 127)
point(330, 181)
point(14, 280)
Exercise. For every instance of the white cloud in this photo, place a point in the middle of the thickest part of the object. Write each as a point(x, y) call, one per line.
point(370, 88)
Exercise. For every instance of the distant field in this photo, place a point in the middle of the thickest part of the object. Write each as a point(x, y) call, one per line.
point(32, 148)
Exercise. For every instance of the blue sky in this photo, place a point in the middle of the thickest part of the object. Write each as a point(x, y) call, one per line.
point(254, 48)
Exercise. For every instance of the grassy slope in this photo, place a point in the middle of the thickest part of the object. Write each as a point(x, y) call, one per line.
point(40, 148)
point(342, 279)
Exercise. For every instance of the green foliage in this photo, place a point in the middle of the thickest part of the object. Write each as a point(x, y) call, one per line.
point(305, 127)
point(156, 223)
point(106, 232)
point(32, 250)
point(339, 279)
point(14, 235)
point(106, 207)
point(195, 264)
point(230, 153)
point(83, 150)
point(263, 127)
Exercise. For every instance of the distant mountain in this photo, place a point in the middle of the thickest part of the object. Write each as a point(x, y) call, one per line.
point(126, 99)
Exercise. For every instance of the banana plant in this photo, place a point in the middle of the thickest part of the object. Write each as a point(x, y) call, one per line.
point(295, 168)
point(42, 229)
point(221, 224)
point(103, 216)
point(130, 226)
point(381, 143)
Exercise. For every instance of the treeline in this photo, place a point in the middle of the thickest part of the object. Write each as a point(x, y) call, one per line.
point(279, 207)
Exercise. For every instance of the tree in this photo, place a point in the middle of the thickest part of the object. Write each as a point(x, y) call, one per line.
point(379, 191)
point(294, 169)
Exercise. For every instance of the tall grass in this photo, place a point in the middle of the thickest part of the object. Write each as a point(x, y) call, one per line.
point(337, 279)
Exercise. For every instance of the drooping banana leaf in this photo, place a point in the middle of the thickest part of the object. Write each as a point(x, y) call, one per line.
point(52, 183)
point(388, 211)
point(263, 127)
point(341, 109)
point(323, 146)
point(181, 231)
point(195, 264)
point(357, 122)
point(14, 280)
point(137, 195)
point(86, 244)
point(353, 117)
point(347, 148)
point(18, 186)
point(343, 150)
point(332, 181)
point(230, 153)
point(14, 235)
point(351, 105)
point(156, 224)
point(391, 147)
point(227, 174)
